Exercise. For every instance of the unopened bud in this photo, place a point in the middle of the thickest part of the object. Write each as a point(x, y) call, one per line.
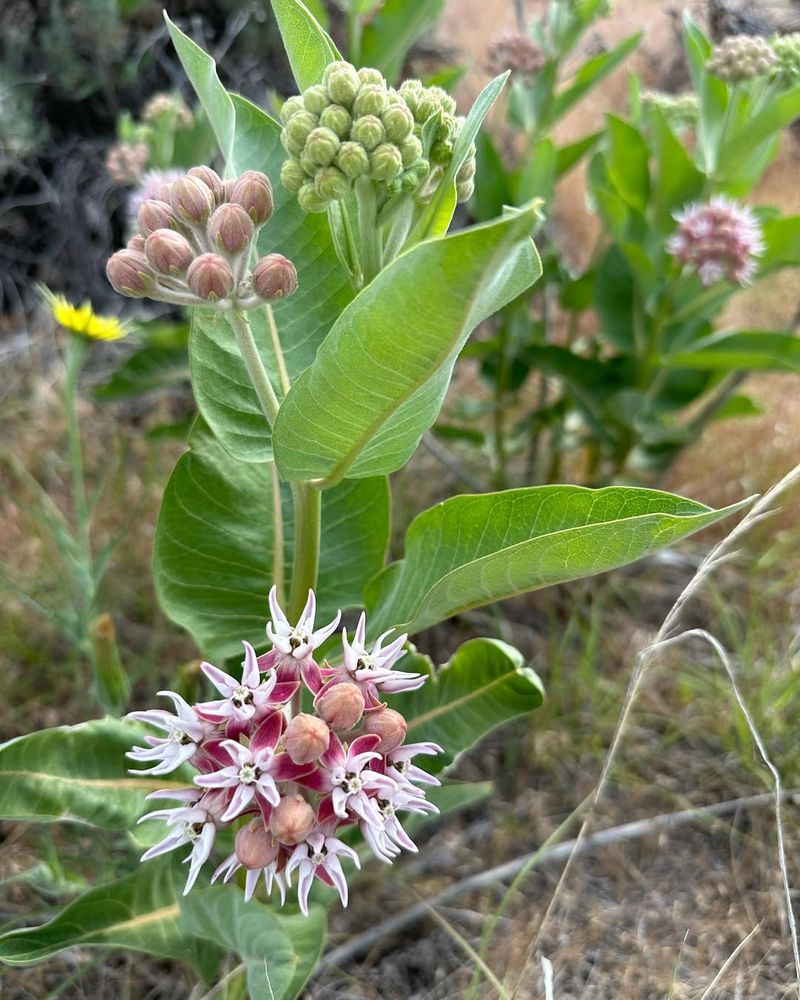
point(316, 99)
point(274, 277)
point(352, 159)
point(293, 177)
point(154, 214)
point(168, 251)
point(254, 845)
point(306, 738)
point(426, 108)
point(309, 200)
point(136, 243)
point(322, 146)
point(397, 121)
point(341, 705)
point(389, 725)
point(372, 99)
point(253, 191)
point(231, 228)
point(210, 277)
point(130, 273)
point(342, 82)
point(191, 199)
point(412, 92)
point(464, 190)
point(300, 126)
point(210, 178)
point(331, 183)
point(368, 131)
point(290, 107)
point(113, 686)
point(338, 119)
point(441, 152)
point(410, 151)
point(291, 820)
point(386, 162)
point(367, 75)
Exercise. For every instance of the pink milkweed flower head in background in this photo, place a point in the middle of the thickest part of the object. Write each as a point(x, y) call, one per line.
point(719, 240)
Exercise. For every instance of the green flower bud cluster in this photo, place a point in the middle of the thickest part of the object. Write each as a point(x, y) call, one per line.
point(741, 57)
point(681, 110)
point(437, 125)
point(787, 55)
point(349, 126)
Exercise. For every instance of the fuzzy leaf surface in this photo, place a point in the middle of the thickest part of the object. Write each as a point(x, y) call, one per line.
point(307, 45)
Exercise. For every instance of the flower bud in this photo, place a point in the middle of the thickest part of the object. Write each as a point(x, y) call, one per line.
point(210, 178)
point(337, 119)
point(412, 178)
point(445, 101)
point(316, 99)
point(368, 131)
point(342, 82)
point(290, 107)
point(191, 199)
point(342, 705)
point(352, 159)
point(322, 146)
point(367, 75)
point(441, 152)
point(412, 93)
point(410, 150)
point(300, 127)
point(210, 277)
point(306, 738)
point(386, 162)
point(136, 243)
point(426, 108)
point(254, 845)
point(464, 190)
point(398, 122)
point(253, 191)
point(154, 214)
point(331, 183)
point(293, 177)
point(291, 820)
point(168, 251)
point(309, 200)
point(274, 277)
point(130, 273)
point(230, 228)
point(372, 99)
point(292, 147)
point(389, 725)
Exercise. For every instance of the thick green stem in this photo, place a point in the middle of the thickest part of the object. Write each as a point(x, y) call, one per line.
point(278, 560)
point(307, 515)
point(369, 231)
point(254, 365)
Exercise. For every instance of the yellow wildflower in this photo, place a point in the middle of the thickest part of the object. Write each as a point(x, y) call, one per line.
point(83, 320)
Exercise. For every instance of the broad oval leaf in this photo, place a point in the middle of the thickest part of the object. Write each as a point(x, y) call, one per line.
point(77, 773)
point(484, 684)
point(139, 911)
point(473, 550)
point(215, 541)
point(385, 365)
point(222, 387)
point(741, 350)
point(279, 952)
point(307, 45)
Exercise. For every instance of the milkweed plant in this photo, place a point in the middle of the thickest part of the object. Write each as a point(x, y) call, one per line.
point(329, 304)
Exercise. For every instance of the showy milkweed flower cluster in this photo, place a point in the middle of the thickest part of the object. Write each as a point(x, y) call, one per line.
point(718, 239)
point(291, 782)
point(194, 243)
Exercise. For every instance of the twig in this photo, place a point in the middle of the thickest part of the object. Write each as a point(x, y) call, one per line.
point(729, 961)
point(721, 552)
point(493, 877)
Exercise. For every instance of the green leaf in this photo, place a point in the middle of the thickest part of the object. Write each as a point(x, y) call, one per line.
point(781, 243)
point(712, 92)
point(221, 385)
point(485, 684)
point(379, 377)
point(308, 47)
point(740, 152)
point(570, 155)
point(77, 773)
point(214, 545)
point(150, 369)
point(438, 214)
point(614, 291)
point(279, 953)
point(491, 182)
point(538, 175)
point(214, 98)
point(473, 550)
point(139, 911)
point(678, 179)
point(627, 162)
point(741, 350)
point(393, 29)
point(591, 73)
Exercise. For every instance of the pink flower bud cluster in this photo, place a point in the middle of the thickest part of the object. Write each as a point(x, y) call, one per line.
point(719, 240)
point(291, 782)
point(125, 162)
point(194, 244)
point(517, 53)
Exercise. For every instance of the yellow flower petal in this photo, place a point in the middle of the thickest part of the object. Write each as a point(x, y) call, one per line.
point(84, 320)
